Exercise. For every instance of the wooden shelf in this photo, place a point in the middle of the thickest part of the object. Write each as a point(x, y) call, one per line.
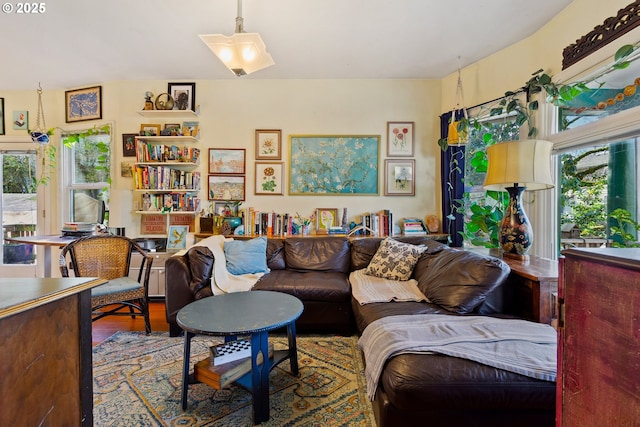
point(168, 138)
point(170, 113)
point(165, 213)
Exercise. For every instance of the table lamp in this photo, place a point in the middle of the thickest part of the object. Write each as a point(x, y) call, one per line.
point(515, 166)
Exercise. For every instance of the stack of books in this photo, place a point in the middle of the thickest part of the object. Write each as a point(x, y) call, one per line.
point(413, 227)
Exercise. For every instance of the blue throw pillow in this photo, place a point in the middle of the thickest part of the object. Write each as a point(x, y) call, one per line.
point(246, 256)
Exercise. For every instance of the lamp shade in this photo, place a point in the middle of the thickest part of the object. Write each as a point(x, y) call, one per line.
point(526, 163)
point(242, 53)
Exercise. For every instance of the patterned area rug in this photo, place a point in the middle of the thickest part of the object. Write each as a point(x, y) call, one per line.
point(138, 380)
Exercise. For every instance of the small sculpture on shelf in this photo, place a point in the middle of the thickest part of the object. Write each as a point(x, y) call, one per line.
point(148, 103)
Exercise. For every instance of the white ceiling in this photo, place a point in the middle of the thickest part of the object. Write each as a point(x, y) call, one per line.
point(80, 42)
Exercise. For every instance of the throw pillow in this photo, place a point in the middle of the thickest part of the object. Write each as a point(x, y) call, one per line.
point(395, 260)
point(458, 280)
point(246, 256)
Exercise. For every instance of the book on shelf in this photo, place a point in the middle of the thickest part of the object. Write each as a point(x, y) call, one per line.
point(223, 375)
point(413, 227)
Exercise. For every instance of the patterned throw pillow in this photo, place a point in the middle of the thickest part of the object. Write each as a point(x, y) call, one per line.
point(395, 260)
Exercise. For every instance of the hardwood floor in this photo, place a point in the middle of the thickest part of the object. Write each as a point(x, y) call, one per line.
point(104, 328)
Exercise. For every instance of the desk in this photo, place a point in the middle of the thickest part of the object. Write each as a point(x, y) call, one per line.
point(252, 313)
point(48, 241)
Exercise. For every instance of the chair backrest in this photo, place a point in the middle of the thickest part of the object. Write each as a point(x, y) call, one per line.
point(103, 256)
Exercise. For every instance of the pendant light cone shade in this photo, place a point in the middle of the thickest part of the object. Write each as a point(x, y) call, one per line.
point(516, 166)
point(242, 53)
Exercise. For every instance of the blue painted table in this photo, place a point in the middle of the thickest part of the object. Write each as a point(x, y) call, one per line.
point(253, 313)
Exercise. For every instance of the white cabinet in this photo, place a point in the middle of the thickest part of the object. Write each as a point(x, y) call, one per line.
point(156, 278)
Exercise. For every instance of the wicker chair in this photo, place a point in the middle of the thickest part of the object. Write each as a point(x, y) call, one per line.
point(109, 257)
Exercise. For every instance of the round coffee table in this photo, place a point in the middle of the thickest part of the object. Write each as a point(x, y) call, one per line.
point(253, 313)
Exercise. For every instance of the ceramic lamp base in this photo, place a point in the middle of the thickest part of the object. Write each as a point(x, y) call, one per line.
point(516, 235)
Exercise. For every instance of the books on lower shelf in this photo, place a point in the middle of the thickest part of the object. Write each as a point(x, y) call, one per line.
point(230, 351)
point(413, 227)
point(221, 376)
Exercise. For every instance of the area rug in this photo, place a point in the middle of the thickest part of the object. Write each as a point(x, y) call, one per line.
point(138, 380)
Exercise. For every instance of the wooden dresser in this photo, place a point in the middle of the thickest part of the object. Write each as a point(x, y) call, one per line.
point(45, 353)
point(599, 348)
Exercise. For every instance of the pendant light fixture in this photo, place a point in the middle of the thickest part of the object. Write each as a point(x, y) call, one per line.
point(242, 53)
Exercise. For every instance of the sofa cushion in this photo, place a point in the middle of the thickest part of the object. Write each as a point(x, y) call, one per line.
point(275, 254)
point(246, 256)
point(328, 286)
point(317, 254)
point(394, 260)
point(459, 280)
point(201, 266)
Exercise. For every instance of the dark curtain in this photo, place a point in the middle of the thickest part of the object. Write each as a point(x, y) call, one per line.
point(451, 174)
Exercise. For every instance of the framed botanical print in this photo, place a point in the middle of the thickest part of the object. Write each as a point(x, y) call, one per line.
point(399, 177)
point(268, 144)
point(226, 187)
point(128, 145)
point(177, 238)
point(227, 161)
point(269, 178)
point(400, 139)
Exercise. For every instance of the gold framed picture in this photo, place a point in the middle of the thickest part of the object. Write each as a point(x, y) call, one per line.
point(150, 129)
point(325, 219)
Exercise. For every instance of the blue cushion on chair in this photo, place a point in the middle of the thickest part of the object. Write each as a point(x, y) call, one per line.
point(246, 256)
point(121, 284)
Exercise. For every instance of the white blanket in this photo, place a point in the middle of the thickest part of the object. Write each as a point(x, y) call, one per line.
point(513, 345)
point(367, 289)
point(223, 282)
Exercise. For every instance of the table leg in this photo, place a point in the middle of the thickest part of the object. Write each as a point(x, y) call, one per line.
point(185, 367)
point(260, 376)
point(293, 349)
point(47, 261)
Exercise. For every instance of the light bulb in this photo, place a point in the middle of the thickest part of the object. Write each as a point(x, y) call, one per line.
point(226, 55)
point(248, 54)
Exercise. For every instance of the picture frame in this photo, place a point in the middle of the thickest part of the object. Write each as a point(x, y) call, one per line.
point(177, 237)
point(184, 95)
point(150, 129)
point(268, 144)
point(191, 128)
point(83, 104)
point(325, 219)
point(400, 177)
point(226, 187)
point(269, 178)
point(333, 165)
point(219, 208)
point(400, 139)
point(129, 145)
point(20, 120)
point(1, 116)
point(227, 161)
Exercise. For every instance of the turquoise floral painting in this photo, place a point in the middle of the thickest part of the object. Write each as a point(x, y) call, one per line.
point(333, 164)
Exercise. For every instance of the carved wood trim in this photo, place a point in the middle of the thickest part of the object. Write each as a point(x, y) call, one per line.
point(612, 28)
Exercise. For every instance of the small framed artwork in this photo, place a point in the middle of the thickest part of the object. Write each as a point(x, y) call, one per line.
point(1, 116)
point(325, 219)
point(172, 129)
point(184, 95)
point(399, 177)
point(83, 104)
point(227, 161)
point(191, 129)
point(269, 178)
point(128, 145)
point(220, 208)
point(226, 187)
point(268, 144)
point(149, 129)
point(20, 120)
point(400, 139)
point(177, 238)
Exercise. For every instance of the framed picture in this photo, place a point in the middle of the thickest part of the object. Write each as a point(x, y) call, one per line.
point(1, 116)
point(400, 139)
point(20, 120)
point(325, 219)
point(191, 129)
point(227, 161)
point(184, 95)
point(399, 177)
point(177, 238)
point(333, 164)
point(269, 177)
point(268, 144)
point(149, 129)
point(226, 187)
point(128, 144)
point(83, 104)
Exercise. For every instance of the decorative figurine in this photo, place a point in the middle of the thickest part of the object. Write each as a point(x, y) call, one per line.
point(148, 103)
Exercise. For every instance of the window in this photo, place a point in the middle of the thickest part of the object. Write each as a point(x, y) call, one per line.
point(87, 174)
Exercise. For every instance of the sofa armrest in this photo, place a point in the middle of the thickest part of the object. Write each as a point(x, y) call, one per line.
point(177, 290)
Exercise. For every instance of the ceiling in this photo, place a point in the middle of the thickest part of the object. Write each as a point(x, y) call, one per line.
point(77, 43)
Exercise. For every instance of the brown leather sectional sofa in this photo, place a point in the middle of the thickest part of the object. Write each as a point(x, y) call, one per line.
point(414, 389)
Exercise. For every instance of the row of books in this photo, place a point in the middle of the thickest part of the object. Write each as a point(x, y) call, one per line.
point(269, 223)
point(165, 178)
point(147, 152)
point(378, 224)
point(175, 201)
point(413, 226)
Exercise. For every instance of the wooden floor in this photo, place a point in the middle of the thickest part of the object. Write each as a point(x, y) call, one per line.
point(107, 326)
